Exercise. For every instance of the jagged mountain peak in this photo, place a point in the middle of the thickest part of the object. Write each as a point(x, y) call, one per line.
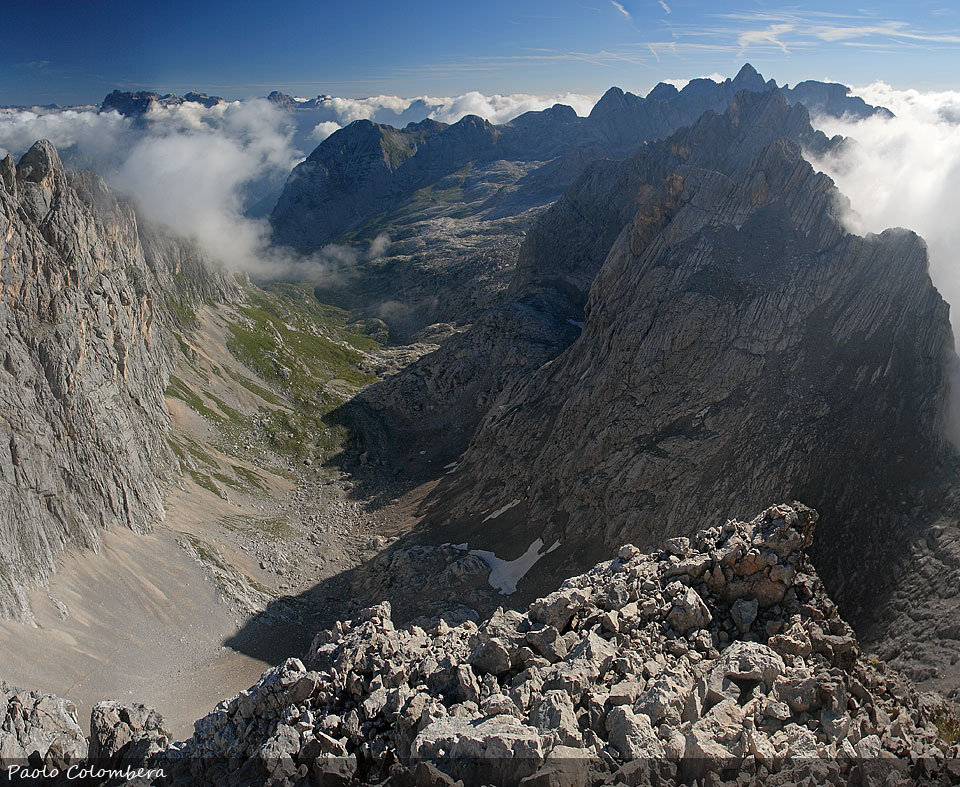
point(613, 100)
point(40, 163)
point(139, 103)
point(748, 78)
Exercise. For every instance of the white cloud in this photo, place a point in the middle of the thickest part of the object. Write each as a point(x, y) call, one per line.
point(503, 108)
point(621, 9)
point(664, 6)
point(324, 129)
point(680, 84)
point(398, 111)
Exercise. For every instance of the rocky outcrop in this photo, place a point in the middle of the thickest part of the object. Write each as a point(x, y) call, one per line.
point(126, 735)
point(40, 729)
point(87, 296)
point(718, 657)
point(737, 344)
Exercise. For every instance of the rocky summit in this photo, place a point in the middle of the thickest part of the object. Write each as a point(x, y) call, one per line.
point(718, 659)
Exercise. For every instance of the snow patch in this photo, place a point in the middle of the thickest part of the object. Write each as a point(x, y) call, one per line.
point(505, 574)
point(506, 508)
point(576, 324)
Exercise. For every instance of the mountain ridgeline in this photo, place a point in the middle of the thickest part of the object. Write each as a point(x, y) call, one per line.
point(469, 191)
point(362, 170)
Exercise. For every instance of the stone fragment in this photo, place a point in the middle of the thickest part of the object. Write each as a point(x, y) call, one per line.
point(632, 735)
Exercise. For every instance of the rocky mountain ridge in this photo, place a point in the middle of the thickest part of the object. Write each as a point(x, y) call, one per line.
point(735, 341)
point(442, 193)
point(87, 292)
point(137, 104)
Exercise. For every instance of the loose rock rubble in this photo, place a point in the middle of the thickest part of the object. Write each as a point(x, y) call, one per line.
point(126, 734)
point(40, 729)
point(720, 660)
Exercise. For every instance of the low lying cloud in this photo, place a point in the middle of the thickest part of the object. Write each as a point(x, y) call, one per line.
point(324, 129)
point(334, 113)
point(214, 173)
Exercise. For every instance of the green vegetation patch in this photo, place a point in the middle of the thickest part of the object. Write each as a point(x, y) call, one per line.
point(947, 724)
point(276, 528)
point(298, 345)
point(293, 341)
point(178, 389)
point(205, 481)
point(183, 314)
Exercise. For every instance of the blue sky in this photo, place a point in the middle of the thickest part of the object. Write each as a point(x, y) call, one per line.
point(75, 52)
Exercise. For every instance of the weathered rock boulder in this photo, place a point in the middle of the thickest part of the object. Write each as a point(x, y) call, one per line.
point(39, 729)
point(126, 734)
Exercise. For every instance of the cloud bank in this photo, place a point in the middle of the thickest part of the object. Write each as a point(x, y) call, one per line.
point(332, 113)
point(214, 173)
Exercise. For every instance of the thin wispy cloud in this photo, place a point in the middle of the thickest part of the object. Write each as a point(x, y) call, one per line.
point(665, 7)
point(788, 30)
point(621, 9)
point(772, 35)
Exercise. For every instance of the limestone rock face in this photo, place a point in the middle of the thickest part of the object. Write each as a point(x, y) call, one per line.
point(639, 703)
point(737, 344)
point(84, 289)
point(126, 734)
